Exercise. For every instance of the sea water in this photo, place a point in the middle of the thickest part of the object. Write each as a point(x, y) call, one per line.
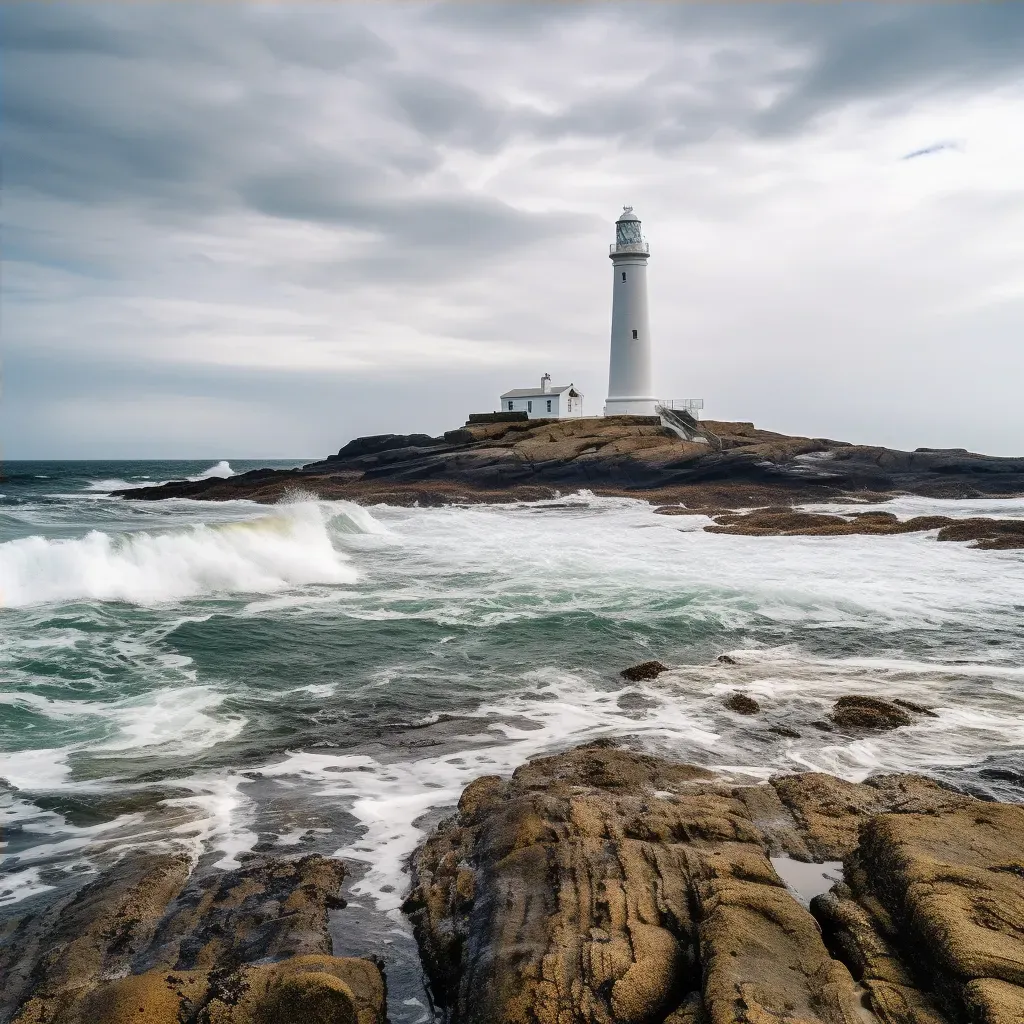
point(224, 677)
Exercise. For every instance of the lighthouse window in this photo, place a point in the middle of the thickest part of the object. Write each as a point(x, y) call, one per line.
point(634, 334)
point(623, 275)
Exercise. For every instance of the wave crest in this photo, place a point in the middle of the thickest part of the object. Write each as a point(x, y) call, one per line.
point(221, 471)
point(291, 547)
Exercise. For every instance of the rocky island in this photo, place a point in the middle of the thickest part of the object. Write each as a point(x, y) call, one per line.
point(716, 469)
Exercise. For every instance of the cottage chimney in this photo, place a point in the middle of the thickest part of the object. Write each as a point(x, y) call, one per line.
point(545, 383)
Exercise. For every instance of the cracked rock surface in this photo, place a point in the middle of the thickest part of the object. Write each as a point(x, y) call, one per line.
point(147, 943)
point(610, 887)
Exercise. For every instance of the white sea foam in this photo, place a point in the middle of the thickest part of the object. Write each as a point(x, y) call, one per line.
point(178, 718)
point(613, 556)
point(290, 547)
point(45, 769)
point(219, 820)
point(114, 484)
point(20, 885)
point(221, 470)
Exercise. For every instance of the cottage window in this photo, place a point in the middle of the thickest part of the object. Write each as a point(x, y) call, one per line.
point(510, 404)
point(549, 405)
point(529, 406)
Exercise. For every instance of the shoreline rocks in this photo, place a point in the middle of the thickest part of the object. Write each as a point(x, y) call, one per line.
point(595, 886)
point(610, 887)
point(632, 456)
point(148, 943)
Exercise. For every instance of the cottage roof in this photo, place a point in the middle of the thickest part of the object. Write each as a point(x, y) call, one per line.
point(536, 392)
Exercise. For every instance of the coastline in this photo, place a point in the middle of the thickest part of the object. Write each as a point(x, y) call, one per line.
point(730, 468)
point(731, 465)
point(597, 885)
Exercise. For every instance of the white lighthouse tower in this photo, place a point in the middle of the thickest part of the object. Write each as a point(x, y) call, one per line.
point(629, 375)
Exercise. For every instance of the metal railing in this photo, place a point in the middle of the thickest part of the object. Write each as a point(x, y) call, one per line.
point(690, 405)
point(629, 247)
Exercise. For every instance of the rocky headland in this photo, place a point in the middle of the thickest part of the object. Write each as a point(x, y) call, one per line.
point(718, 466)
point(596, 886)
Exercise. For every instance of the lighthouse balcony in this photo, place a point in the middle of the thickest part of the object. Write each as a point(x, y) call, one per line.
point(617, 247)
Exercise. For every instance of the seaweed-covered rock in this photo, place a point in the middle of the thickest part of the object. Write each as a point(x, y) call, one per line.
point(856, 712)
point(645, 670)
point(742, 704)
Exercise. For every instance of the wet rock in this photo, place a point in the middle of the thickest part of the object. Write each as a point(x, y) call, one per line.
point(146, 942)
point(742, 704)
point(645, 670)
point(918, 709)
point(725, 659)
point(782, 730)
point(829, 812)
point(987, 534)
point(605, 886)
point(933, 916)
point(856, 712)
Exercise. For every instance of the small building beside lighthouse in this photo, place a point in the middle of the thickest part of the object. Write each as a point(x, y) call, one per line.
point(630, 388)
point(545, 402)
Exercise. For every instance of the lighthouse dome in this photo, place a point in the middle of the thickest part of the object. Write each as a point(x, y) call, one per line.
point(627, 214)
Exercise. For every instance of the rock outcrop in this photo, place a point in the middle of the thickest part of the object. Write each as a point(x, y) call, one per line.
point(634, 455)
point(147, 943)
point(853, 711)
point(609, 887)
point(987, 534)
point(645, 670)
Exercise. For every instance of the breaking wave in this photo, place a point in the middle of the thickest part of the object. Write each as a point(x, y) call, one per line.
point(222, 470)
point(291, 547)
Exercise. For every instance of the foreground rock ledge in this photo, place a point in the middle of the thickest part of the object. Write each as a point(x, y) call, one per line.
point(604, 886)
point(146, 943)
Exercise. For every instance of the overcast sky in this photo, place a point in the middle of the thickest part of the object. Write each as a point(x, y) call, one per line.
point(235, 230)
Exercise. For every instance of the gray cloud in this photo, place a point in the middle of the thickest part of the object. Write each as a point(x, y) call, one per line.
point(237, 200)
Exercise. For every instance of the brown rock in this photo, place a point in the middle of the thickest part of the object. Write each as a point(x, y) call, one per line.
point(933, 917)
point(616, 887)
point(645, 670)
point(831, 811)
point(856, 712)
point(604, 886)
point(742, 704)
point(143, 943)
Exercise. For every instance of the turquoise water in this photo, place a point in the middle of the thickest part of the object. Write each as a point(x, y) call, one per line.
point(226, 677)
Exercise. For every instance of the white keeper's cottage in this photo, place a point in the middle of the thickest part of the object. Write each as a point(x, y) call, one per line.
point(545, 402)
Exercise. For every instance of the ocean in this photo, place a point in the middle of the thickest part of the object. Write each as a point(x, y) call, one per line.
point(223, 677)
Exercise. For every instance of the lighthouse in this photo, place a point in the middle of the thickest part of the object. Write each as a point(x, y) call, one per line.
point(630, 391)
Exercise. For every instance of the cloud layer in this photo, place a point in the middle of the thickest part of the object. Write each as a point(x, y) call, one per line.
point(241, 230)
